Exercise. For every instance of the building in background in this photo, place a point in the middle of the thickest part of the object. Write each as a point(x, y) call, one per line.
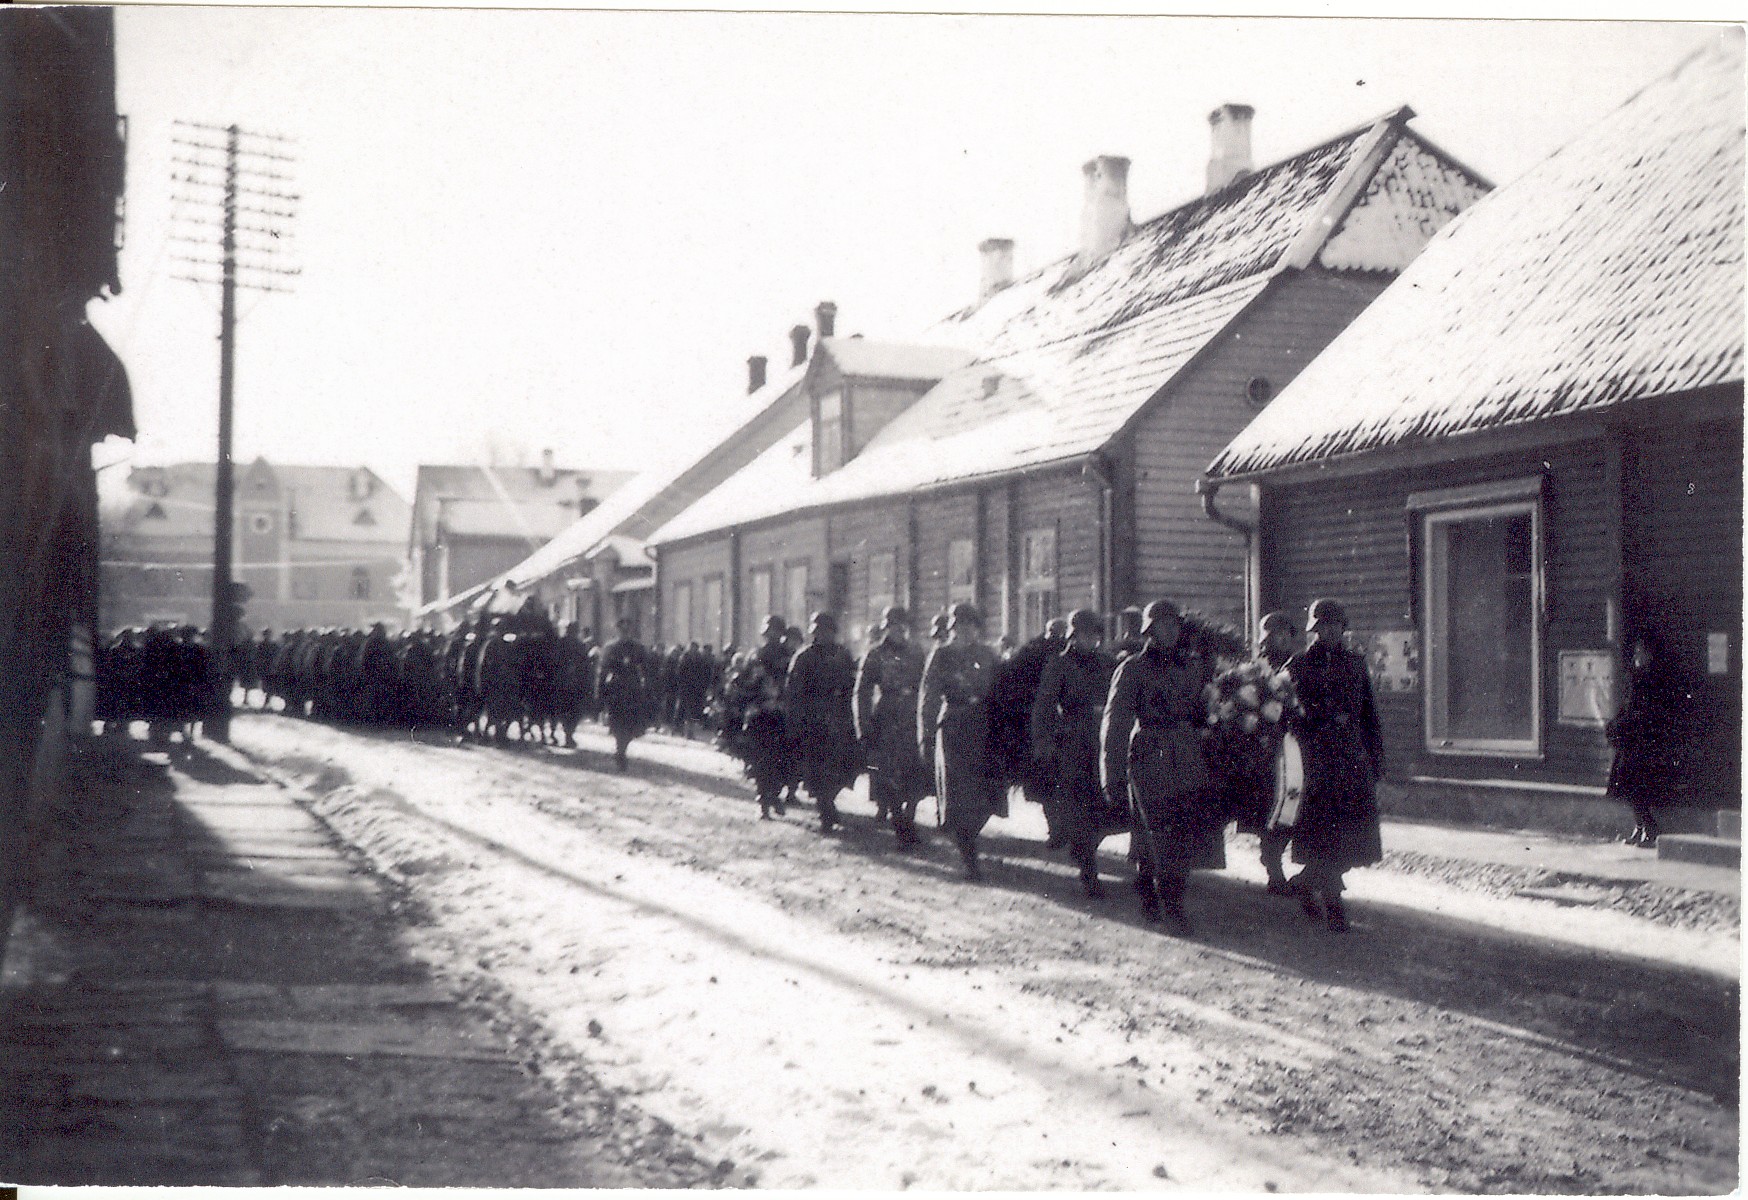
point(1037, 452)
point(316, 546)
point(1527, 452)
point(62, 156)
point(472, 523)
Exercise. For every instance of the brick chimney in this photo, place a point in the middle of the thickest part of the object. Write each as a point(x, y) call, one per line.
point(1104, 214)
point(825, 318)
point(1229, 152)
point(998, 265)
point(547, 472)
point(755, 373)
point(798, 344)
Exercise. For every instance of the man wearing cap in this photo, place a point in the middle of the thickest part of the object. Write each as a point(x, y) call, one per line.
point(887, 684)
point(821, 723)
point(625, 690)
point(953, 731)
point(1343, 750)
point(1010, 722)
point(774, 655)
point(1152, 755)
point(1065, 737)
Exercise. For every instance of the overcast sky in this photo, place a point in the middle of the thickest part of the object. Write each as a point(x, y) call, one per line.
point(570, 229)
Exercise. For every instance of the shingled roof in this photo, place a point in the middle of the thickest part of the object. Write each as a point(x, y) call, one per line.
point(1611, 271)
point(1061, 360)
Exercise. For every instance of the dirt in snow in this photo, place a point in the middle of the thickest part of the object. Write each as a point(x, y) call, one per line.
point(827, 1011)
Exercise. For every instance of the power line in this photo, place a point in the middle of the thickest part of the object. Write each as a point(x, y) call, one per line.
point(239, 180)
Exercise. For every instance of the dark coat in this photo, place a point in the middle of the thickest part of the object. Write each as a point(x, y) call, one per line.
point(1010, 711)
point(1342, 747)
point(888, 683)
point(821, 723)
point(953, 735)
point(1648, 734)
point(1065, 738)
point(625, 687)
point(1152, 752)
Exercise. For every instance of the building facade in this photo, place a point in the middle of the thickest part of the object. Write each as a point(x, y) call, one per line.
point(1037, 452)
point(1528, 452)
point(472, 523)
point(316, 546)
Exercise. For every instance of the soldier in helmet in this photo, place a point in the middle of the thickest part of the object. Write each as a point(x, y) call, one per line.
point(953, 731)
point(1151, 755)
point(1065, 739)
point(626, 690)
point(887, 684)
point(817, 707)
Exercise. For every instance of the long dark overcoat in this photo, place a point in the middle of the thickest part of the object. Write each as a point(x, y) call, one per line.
point(1151, 743)
point(1342, 747)
point(1065, 736)
point(821, 722)
point(626, 687)
point(953, 734)
point(887, 686)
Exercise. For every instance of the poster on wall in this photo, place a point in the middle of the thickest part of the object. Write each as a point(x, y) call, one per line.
point(1392, 657)
point(1587, 687)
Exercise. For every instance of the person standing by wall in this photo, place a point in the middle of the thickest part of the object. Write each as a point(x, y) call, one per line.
point(1647, 735)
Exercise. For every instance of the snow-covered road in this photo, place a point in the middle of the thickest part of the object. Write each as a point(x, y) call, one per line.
point(829, 1012)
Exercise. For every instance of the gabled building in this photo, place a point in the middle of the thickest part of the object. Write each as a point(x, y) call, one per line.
point(598, 569)
point(470, 523)
point(1037, 451)
point(315, 546)
point(1526, 452)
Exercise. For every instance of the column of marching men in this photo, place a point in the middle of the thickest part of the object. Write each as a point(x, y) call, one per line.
point(1169, 736)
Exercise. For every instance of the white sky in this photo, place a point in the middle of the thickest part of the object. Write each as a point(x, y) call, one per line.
point(569, 229)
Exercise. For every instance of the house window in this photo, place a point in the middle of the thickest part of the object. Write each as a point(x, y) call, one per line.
point(1037, 581)
point(1482, 576)
point(759, 590)
point(360, 589)
point(829, 455)
point(962, 571)
point(711, 626)
point(795, 594)
point(882, 584)
point(681, 625)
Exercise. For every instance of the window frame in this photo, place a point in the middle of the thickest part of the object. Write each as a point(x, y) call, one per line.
point(878, 602)
point(359, 586)
point(805, 566)
point(962, 592)
point(767, 574)
point(828, 454)
point(1433, 511)
point(1035, 584)
point(714, 604)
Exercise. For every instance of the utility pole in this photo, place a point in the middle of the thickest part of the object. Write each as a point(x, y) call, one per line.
point(255, 210)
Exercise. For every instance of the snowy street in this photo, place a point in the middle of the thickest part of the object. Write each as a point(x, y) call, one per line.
point(830, 1012)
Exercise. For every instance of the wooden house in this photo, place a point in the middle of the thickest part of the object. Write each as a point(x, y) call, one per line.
point(1529, 449)
point(1037, 451)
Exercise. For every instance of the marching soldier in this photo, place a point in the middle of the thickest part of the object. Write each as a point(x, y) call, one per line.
point(887, 683)
point(774, 655)
point(821, 723)
point(953, 731)
point(1343, 750)
point(1010, 720)
point(1065, 738)
point(626, 690)
point(1279, 641)
point(1152, 756)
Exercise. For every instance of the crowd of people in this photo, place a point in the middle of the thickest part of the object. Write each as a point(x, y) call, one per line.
point(1169, 736)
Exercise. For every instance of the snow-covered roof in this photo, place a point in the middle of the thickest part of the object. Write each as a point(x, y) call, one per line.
point(867, 359)
point(1611, 271)
point(536, 520)
point(1061, 360)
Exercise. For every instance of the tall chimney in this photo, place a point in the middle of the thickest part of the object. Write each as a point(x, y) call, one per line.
point(755, 373)
point(825, 317)
point(548, 472)
point(1104, 214)
point(998, 265)
point(798, 344)
point(1229, 153)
